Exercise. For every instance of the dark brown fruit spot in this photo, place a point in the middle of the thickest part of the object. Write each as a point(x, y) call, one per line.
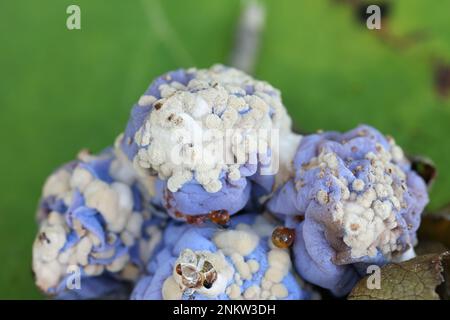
point(196, 220)
point(168, 198)
point(220, 217)
point(283, 237)
point(158, 105)
point(178, 269)
point(43, 237)
point(178, 214)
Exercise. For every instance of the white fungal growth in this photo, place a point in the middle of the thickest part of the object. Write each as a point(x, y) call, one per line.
point(80, 179)
point(322, 197)
point(114, 201)
point(365, 212)
point(188, 132)
point(123, 170)
point(288, 147)
point(234, 291)
point(236, 241)
point(146, 100)
point(147, 247)
point(279, 291)
point(252, 292)
point(100, 196)
point(49, 241)
point(171, 290)
point(46, 247)
point(241, 266)
point(57, 184)
point(233, 266)
point(253, 265)
point(358, 185)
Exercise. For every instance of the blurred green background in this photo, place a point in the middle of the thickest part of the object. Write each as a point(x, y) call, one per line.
point(65, 90)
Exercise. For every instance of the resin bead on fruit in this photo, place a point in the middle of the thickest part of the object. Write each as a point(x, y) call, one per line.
point(359, 201)
point(283, 237)
point(212, 136)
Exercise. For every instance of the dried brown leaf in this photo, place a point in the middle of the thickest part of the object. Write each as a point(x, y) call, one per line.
point(436, 227)
point(425, 168)
point(415, 279)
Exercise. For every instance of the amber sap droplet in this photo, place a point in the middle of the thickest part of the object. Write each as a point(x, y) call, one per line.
point(283, 237)
point(220, 217)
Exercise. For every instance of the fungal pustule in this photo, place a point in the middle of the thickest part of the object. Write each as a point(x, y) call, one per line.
point(206, 262)
point(359, 201)
point(95, 221)
point(208, 135)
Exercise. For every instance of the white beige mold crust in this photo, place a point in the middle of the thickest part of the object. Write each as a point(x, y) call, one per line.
point(234, 265)
point(209, 127)
point(113, 201)
point(122, 168)
point(365, 214)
